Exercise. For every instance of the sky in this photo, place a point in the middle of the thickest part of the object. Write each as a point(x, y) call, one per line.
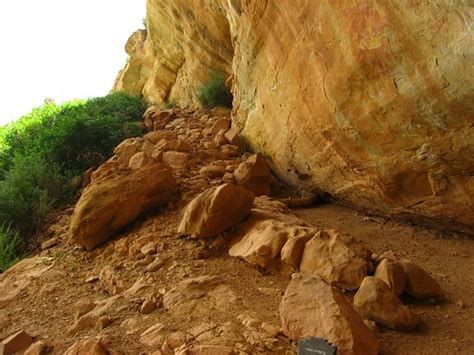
point(62, 49)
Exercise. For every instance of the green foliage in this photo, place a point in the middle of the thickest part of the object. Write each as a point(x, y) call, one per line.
point(10, 246)
point(213, 92)
point(169, 105)
point(76, 135)
point(31, 188)
point(42, 151)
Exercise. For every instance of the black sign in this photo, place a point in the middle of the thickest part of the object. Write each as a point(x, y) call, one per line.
point(315, 346)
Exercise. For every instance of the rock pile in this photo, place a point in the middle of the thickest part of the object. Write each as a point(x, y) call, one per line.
point(155, 284)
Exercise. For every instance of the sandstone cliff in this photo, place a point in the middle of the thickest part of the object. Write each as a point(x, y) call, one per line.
point(369, 101)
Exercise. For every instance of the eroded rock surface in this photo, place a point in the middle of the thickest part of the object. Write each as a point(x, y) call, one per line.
point(344, 97)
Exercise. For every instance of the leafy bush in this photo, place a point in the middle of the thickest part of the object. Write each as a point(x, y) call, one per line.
point(31, 188)
point(42, 151)
point(213, 92)
point(76, 135)
point(10, 245)
point(169, 105)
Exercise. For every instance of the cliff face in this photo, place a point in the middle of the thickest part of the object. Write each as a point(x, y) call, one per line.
point(370, 101)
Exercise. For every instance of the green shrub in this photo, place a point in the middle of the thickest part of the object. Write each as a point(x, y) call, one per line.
point(30, 190)
point(213, 92)
point(169, 105)
point(42, 151)
point(76, 135)
point(10, 246)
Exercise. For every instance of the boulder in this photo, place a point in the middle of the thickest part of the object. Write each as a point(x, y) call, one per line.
point(392, 274)
point(16, 342)
point(254, 174)
point(337, 258)
point(216, 210)
point(375, 301)
point(108, 205)
point(87, 346)
point(312, 308)
point(419, 283)
point(272, 244)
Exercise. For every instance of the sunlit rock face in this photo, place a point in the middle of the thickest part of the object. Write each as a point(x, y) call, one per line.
point(369, 101)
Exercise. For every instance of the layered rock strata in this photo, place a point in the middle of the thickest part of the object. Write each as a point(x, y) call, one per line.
point(371, 102)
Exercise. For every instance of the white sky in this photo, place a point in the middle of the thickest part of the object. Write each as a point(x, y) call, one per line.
point(63, 49)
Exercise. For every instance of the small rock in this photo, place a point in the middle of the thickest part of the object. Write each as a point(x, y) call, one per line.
point(92, 279)
point(174, 159)
point(375, 301)
point(148, 306)
point(220, 124)
point(228, 178)
point(254, 174)
point(38, 348)
point(233, 137)
point(139, 160)
point(148, 249)
point(212, 171)
point(155, 265)
point(87, 346)
point(419, 283)
point(392, 274)
point(153, 336)
point(178, 339)
point(16, 342)
point(82, 307)
point(50, 243)
point(207, 350)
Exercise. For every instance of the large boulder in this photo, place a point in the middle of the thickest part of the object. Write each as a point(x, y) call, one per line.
point(312, 308)
point(109, 204)
point(337, 258)
point(375, 301)
point(216, 210)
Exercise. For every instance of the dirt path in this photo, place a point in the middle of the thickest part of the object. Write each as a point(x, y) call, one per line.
point(204, 297)
point(449, 327)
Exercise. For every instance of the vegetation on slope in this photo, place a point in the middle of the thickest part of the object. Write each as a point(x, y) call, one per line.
point(214, 92)
point(41, 152)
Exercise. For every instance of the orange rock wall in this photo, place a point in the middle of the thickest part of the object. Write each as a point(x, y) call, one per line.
point(371, 101)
